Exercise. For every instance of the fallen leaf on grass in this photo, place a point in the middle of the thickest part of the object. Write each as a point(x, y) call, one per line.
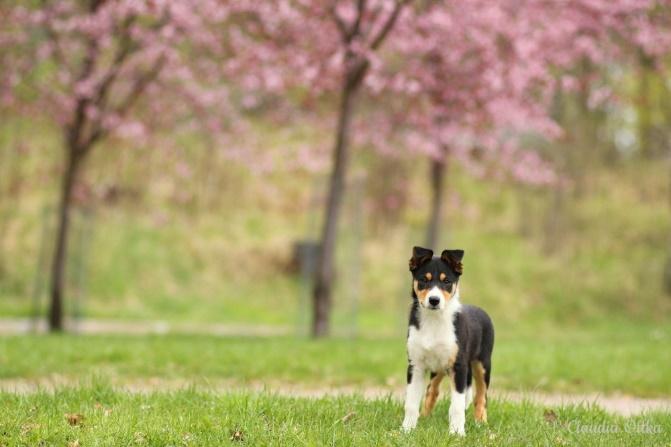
point(237, 435)
point(74, 443)
point(347, 417)
point(74, 418)
point(27, 428)
point(139, 437)
point(106, 411)
point(549, 415)
point(343, 420)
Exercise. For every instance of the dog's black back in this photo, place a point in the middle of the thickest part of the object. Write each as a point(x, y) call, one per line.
point(475, 337)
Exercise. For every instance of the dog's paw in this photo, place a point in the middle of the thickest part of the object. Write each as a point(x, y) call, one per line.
point(408, 424)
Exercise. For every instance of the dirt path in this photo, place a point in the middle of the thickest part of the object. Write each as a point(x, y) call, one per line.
point(617, 404)
point(21, 326)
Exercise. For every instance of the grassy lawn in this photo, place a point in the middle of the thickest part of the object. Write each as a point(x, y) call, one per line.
point(588, 316)
point(632, 361)
point(100, 416)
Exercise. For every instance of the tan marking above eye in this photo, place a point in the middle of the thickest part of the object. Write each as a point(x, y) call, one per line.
point(429, 276)
point(443, 276)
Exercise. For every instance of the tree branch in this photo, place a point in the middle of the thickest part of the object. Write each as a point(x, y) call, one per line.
point(140, 85)
point(361, 8)
point(95, 4)
point(340, 23)
point(54, 38)
point(75, 127)
point(126, 48)
point(131, 98)
point(388, 25)
point(349, 32)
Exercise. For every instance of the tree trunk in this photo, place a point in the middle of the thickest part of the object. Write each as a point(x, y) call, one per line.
point(438, 167)
point(643, 109)
point(12, 188)
point(321, 297)
point(667, 267)
point(60, 251)
point(555, 221)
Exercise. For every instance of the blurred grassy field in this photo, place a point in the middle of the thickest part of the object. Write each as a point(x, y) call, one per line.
point(572, 361)
point(210, 242)
point(97, 415)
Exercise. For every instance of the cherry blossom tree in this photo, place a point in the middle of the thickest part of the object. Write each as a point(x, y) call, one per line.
point(328, 48)
point(100, 68)
point(363, 28)
point(463, 93)
point(480, 74)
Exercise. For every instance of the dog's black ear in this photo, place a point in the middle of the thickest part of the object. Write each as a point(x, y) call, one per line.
point(453, 259)
point(420, 256)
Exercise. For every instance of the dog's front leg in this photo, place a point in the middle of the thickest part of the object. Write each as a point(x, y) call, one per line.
point(413, 396)
point(458, 399)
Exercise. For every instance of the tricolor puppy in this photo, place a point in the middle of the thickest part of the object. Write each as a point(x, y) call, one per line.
point(445, 338)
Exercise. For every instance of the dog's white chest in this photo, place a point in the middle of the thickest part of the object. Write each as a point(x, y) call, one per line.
point(434, 345)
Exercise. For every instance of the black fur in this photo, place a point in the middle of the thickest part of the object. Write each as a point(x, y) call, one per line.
point(475, 338)
point(414, 312)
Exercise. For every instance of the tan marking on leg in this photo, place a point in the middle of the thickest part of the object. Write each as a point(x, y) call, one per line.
point(432, 392)
point(480, 400)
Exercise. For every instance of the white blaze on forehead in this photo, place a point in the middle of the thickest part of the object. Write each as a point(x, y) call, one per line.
point(435, 291)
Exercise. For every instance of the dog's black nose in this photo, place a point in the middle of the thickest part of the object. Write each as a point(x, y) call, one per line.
point(434, 301)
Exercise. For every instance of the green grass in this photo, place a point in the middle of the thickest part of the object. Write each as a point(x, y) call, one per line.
point(631, 361)
point(190, 418)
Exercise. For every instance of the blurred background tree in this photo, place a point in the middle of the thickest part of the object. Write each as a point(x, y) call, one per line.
point(98, 68)
point(551, 117)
